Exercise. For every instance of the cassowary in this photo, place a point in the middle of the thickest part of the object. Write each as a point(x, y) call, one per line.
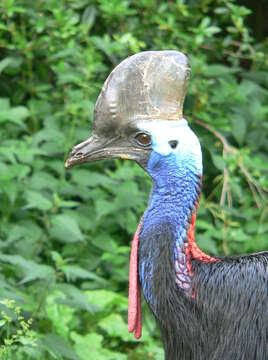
point(207, 308)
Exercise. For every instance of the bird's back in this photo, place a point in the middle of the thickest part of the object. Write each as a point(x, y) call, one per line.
point(227, 316)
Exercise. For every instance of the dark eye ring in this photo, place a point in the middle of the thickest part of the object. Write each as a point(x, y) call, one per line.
point(143, 139)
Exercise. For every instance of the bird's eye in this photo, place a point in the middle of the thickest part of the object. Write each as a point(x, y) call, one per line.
point(143, 139)
point(173, 144)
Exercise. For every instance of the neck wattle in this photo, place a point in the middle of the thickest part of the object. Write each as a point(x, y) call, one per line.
point(134, 296)
point(184, 254)
point(194, 251)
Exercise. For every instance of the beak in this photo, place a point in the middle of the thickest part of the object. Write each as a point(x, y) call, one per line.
point(94, 149)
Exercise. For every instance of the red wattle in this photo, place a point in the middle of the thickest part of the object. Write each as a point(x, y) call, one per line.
point(138, 330)
point(193, 249)
point(134, 298)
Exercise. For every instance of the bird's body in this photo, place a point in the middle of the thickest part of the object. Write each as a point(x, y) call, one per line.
point(217, 322)
point(207, 308)
point(227, 317)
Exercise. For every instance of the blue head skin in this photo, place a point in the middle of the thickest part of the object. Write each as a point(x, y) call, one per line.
point(175, 166)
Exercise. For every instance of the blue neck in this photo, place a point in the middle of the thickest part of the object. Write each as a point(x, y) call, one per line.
point(173, 198)
point(174, 193)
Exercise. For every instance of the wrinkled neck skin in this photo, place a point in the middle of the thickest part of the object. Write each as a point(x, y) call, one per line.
point(164, 236)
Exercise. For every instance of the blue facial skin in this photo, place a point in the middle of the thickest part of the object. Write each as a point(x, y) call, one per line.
point(176, 182)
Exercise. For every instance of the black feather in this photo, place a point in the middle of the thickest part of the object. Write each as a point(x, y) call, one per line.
point(227, 318)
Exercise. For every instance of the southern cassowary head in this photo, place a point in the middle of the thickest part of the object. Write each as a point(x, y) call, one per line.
point(138, 115)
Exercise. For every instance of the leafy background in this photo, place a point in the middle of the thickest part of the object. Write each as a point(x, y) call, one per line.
point(64, 235)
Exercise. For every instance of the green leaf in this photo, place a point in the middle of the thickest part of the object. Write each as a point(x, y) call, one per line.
point(57, 257)
point(74, 272)
point(41, 180)
point(238, 127)
point(90, 347)
point(30, 270)
point(65, 53)
point(219, 70)
point(18, 113)
point(58, 347)
point(25, 229)
point(218, 161)
point(4, 105)
point(90, 178)
point(66, 229)
point(61, 316)
point(106, 299)
point(104, 242)
point(2, 323)
point(11, 189)
point(104, 207)
point(36, 200)
point(116, 327)
point(206, 243)
point(75, 298)
point(5, 63)
point(13, 114)
point(88, 17)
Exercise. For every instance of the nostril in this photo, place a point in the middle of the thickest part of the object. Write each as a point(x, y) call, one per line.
point(173, 144)
point(79, 154)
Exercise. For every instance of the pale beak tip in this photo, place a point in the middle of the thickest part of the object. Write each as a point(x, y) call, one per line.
point(67, 164)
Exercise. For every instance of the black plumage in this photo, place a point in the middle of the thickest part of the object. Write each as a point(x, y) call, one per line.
point(228, 315)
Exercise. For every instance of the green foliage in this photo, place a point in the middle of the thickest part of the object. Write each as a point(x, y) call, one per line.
point(64, 235)
point(13, 321)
